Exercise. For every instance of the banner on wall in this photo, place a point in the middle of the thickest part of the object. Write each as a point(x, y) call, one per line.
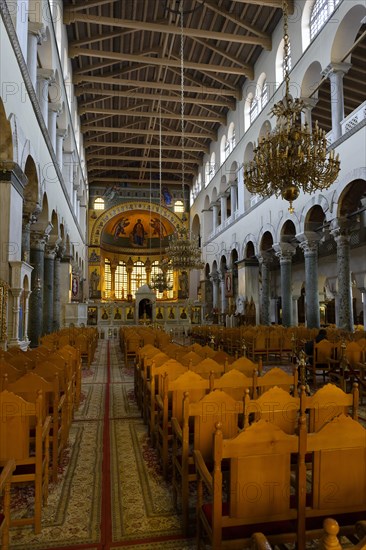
point(228, 285)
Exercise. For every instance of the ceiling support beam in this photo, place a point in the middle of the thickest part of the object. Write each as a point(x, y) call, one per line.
point(206, 90)
point(133, 95)
point(161, 61)
point(138, 169)
point(71, 16)
point(93, 156)
point(270, 3)
point(151, 114)
point(138, 132)
point(154, 147)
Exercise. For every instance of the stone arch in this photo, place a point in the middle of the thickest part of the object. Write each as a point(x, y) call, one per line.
point(311, 79)
point(32, 189)
point(6, 140)
point(266, 242)
point(305, 23)
point(347, 32)
point(349, 202)
point(265, 129)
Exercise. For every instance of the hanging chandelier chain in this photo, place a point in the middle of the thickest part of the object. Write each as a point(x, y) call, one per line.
point(286, 49)
point(182, 93)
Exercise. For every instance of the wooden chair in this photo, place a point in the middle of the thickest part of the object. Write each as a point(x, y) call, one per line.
point(258, 477)
point(246, 366)
point(277, 377)
point(327, 403)
point(206, 367)
point(54, 405)
point(31, 454)
point(276, 406)
point(5, 481)
point(172, 369)
point(235, 384)
point(198, 424)
point(338, 476)
point(169, 403)
point(320, 361)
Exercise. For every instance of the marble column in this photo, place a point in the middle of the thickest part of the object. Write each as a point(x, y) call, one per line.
point(57, 292)
point(215, 216)
point(233, 196)
point(223, 204)
point(16, 293)
point(309, 104)
point(284, 252)
point(36, 35)
point(26, 232)
point(223, 293)
point(265, 261)
point(54, 109)
point(215, 278)
point(26, 294)
point(341, 236)
point(309, 245)
point(335, 72)
point(44, 78)
point(60, 136)
point(48, 292)
point(37, 248)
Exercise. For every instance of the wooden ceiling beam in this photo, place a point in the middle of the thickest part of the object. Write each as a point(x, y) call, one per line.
point(160, 61)
point(138, 169)
point(93, 156)
point(270, 3)
point(151, 114)
point(79, 91)
point(90, 4)
point(155, 147)
point(206, 90)
point(99, 38)
point(267, 40)
point(142, 132)
point(71, 16)
point(105, 181)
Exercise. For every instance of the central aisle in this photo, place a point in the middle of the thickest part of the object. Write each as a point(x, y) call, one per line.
point(110, 493)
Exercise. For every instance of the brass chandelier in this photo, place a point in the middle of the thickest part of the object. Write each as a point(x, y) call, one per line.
point(183, 251)
point(292, 157)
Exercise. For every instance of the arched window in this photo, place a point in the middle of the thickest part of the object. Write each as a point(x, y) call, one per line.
point(207, 173)
point(107, 279)
point(322, 9)
point(138, 277)
point(199, 183)
point(99, 204)
point(120, 281)
point(154, 271)
point(254, 109)
point(231, 137)
point(264, 94)
point(223, 149)
point(212, 165)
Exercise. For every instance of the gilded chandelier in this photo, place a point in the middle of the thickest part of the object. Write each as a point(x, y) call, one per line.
point(292, 157)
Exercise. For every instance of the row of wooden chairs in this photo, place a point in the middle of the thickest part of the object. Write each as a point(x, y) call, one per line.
point(85, 339)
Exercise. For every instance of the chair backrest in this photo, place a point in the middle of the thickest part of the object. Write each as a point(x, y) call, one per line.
point(217, 406)
point(207, 366)
point(29, 385)
point(16, 415)
point(235, 383)
point(338, 467)
point(175, 388)
point(250, 455)
point(278, 377)
point(323, 350)
point(276, 406)
point(188, 358)
point(354, 353)
point(246, 366)
point(327, 403)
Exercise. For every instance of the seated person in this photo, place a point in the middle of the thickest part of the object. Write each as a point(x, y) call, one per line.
point(309, 346)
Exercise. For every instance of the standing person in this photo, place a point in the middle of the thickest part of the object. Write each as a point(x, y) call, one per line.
point(309, 346)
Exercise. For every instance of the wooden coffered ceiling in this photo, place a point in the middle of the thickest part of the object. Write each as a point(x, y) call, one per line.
point(127, 74)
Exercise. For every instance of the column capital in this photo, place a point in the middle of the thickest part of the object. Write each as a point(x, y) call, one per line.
point(38, 30)
point(46, 74)
point(336, 68)
point(284, 251)
point(309, 241)
point(50, 251)
point(265, 258)
point(309, 102)
point(340, 229)
point(61, 133)
point(38, 240)
point(215, 277)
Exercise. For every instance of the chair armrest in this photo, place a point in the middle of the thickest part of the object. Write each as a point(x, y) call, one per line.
point(176, 429)
point(46, 427)
point(6, 474)
point(61, 403)
point(159, 402)
point(260, 542)
point(202, 470)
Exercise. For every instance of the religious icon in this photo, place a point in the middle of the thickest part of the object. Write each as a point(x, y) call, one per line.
point(138, 233)
point(117, 314)
point(159, 314)
point(130, 313)
point(119, 228)
point(171, 314)
point(183, 313)
point(92, 315)
point(104, 314)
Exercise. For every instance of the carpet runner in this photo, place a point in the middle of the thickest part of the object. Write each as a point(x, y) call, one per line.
point(110, 493)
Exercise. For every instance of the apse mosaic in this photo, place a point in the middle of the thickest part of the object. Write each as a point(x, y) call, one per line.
point(137, 229)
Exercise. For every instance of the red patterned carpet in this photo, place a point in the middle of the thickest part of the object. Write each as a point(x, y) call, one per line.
point(110, 493)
